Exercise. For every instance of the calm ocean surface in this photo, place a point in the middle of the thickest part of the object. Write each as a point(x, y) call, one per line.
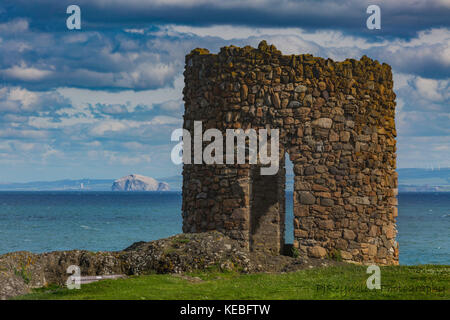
point(46, 221)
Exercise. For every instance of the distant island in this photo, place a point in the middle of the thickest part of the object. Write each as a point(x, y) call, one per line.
point(136, 182)
point(409, 180)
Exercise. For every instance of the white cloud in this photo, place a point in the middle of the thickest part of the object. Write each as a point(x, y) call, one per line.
point(328, 38)
point(14, 118)
point(80, 97)
point(133, 146)
point(429, 37)
point(14, 26)
point(172, 105)
point(51, 152)
point(433, 90)
point(23, 146)
point(423, 152)
point(49, 123)
point(22, 72)
point(92, 144)
point(401, 80)
point(108, 126)
point(113, 108)
point(23, 133)
point(76, 37)
point(123, 159)
point(25, 97)
point(23, 101)
point(138, 31)
point(445, 147)
point(165, 120)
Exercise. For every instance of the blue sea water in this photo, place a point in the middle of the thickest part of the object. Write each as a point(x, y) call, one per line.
point(47, 221)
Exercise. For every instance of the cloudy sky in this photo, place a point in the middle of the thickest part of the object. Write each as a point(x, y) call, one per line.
point(101, 102)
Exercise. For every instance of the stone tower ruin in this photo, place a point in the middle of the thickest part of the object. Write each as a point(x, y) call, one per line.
point(336, 123)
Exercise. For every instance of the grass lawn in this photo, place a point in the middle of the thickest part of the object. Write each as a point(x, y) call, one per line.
point(342, 282)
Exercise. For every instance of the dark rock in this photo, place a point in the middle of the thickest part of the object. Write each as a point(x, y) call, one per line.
point(307, 197)
point(326, 202)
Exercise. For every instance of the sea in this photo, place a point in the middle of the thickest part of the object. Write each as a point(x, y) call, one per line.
point(97, 221)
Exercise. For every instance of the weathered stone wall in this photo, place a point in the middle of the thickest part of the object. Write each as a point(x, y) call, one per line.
point(336, 122)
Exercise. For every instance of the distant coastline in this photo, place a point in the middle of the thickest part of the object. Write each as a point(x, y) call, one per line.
point(86, 184)
point(410, 180)
point(425, 188)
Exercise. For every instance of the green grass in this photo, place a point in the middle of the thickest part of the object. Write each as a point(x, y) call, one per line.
point(343, 282)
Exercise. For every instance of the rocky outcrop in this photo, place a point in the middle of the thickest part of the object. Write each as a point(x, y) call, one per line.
point(21, 271)
point(136, 182)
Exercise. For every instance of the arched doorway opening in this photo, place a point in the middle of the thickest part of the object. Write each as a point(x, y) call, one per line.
point(289, 205)
point(267, 206)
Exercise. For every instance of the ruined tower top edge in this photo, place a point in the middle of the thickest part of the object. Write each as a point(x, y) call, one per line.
point(268, 52)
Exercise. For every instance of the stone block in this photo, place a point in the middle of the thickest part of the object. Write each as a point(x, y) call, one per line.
point(306, 197)
point(318, 252)
point(324, 123)
point(349, 234)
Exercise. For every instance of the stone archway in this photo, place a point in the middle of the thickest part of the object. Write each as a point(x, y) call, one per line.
point(267, 211)
point(337, 121)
